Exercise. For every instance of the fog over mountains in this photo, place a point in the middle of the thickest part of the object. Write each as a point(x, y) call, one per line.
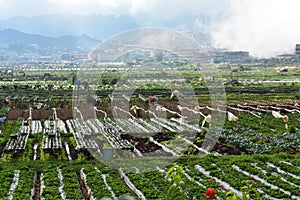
point(100, 27)
point(73, 31)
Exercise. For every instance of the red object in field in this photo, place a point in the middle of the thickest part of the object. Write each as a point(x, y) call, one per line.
point(150, 97)
point(210, 193)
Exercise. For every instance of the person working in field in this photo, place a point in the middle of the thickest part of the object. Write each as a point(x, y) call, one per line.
point(153, 100)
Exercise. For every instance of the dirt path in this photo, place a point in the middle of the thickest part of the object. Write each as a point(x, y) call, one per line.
point(37, 186)
point(83, 188)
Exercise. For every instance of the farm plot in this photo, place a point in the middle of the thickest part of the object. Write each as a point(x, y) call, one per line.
point(269, 179)
point(36, 127)
point(22, 184)
point(9, 181)
point(17, 141)
point(96, 134)
point(82, 134)
point(51, 137)
point(141, 133)
point(272, 176)
point(53, 186)
point(248, 134)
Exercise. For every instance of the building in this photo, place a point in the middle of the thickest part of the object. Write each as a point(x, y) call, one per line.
point(197, 55)
point(229, 56)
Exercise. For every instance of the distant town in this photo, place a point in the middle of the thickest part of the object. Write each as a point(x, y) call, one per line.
point(71, 59)
point(22, 49)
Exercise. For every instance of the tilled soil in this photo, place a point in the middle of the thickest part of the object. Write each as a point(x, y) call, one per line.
point(37, 186)
point(224, 148)
point(83, 188)
point(142, 144)
point(146, 147)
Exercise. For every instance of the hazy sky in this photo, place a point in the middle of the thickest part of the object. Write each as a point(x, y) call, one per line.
point(263, 27)
point(156, 8)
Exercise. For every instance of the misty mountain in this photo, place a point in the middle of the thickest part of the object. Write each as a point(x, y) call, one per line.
point(100, 27)
point(57, 31)
point(10, 38)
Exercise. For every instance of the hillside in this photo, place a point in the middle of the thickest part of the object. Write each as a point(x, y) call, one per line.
point(10, 38)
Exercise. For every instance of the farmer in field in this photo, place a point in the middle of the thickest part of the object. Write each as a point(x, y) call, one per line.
point(153, 100)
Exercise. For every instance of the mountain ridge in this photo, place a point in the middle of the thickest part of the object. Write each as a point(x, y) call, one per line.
point(11, 37)
point(55, 25)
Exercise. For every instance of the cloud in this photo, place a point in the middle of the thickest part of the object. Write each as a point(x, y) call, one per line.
point(178, 8)
point(153, 8)
point(10, 8)
point(263, 27)
point(181, 14)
